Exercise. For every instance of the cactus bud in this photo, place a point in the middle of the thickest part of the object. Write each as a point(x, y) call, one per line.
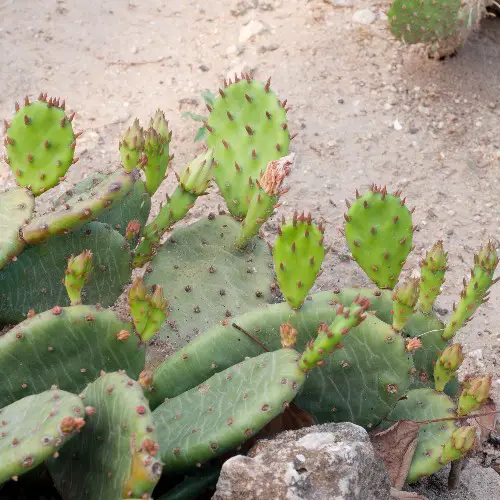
point(404, 300)
point(138, 302)
point(195, 178)
point(273, 176)
point(159, 123)
point(288, 335)
point(157, 312)
point(77, 275)
point(475, 392)
point(448, 363)
point(133, 230)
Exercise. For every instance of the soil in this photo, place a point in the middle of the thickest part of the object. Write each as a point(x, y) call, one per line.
point(367, 110)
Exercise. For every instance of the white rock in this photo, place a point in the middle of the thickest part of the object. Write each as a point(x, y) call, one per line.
point(363, 16)
point(250, 30)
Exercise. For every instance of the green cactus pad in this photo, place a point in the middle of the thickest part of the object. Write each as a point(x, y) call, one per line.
point(131, 146)
point(298, 254)
point(67, 347)
point(404, 301)
point(361, 399)
point(379, 232)
point(115, 455)
point(35, 427)
point(247, 128)
point(16, 207)
point(446, 366)
point(476, 391)
point(476, 291)
point(44, 265)
point(40, 144)
point(77, 276)
point(417, 21)
point(426, 404)
point(227, 409)
point(432, 271)
point(136, 205)
point(111, 191)
point(206, 279)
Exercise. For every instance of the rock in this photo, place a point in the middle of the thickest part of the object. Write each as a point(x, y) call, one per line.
point(323, 462)
point(363, 16)
point(477, 483)
point(251, 29)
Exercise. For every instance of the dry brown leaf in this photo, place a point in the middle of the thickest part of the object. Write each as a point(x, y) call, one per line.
point(486, 423)
point(395, 447)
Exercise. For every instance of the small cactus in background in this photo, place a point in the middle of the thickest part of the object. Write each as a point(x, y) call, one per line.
point(442, 25)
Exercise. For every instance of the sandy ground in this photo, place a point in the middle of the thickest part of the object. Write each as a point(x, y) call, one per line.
point(366, 108)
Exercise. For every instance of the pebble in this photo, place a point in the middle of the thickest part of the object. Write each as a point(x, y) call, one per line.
point(250, 30)
point(363, 16)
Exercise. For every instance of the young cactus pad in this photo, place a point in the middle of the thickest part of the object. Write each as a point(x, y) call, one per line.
point(432, 271)
point(207, 278)
point(43, 267)
point(115, 455)
point(40, 144)
point(379, 232)
point(35, 427)
point(446, 366)
point(33, 358)
point(247, 128)
point(476, 391)
point(404, 301)
point(16, 207)
point(476, 291)
point(433, 438)
point(63, 220)
point(298, 254)
point(131, 146)
point(77, 275)
point(227, 409)
point(265, 199)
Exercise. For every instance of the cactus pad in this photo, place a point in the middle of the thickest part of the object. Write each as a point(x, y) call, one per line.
point(426, 404)
point(131, 146)
point(247, 128)
point(207, 280)
point(136, 205)
point(44, 265)
point(77, 275)
point(298, 254)
point(67, 347)
point(476, 291)
point(446, 366)
point(476, 391)
point(404, 301)
point(40, 144)
point(432, 271)
point(111, 191)
point(379, 232)
point(227, 409)
point(117, 448)
point(16, 207)
point(35, 427)
point(416, 21)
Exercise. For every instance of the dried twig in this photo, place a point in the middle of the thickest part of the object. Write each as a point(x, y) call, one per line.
point(251, 336)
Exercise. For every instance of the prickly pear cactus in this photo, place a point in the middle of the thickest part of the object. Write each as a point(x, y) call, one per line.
point(436, 439)
point(117, 448)
point(227, 409)
point(40, 144)
point(207, 280)
point(379, 232)
point(136, 205)
point(16, 207)
point(33, 358)
point(404, 301)
point(475, 393)
point(432, 271)
point(298, 254)
point(77, 275)
point(42, 268)
point(247, 128)
point(446, 366)
point(110, 192)
point(35, 427)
